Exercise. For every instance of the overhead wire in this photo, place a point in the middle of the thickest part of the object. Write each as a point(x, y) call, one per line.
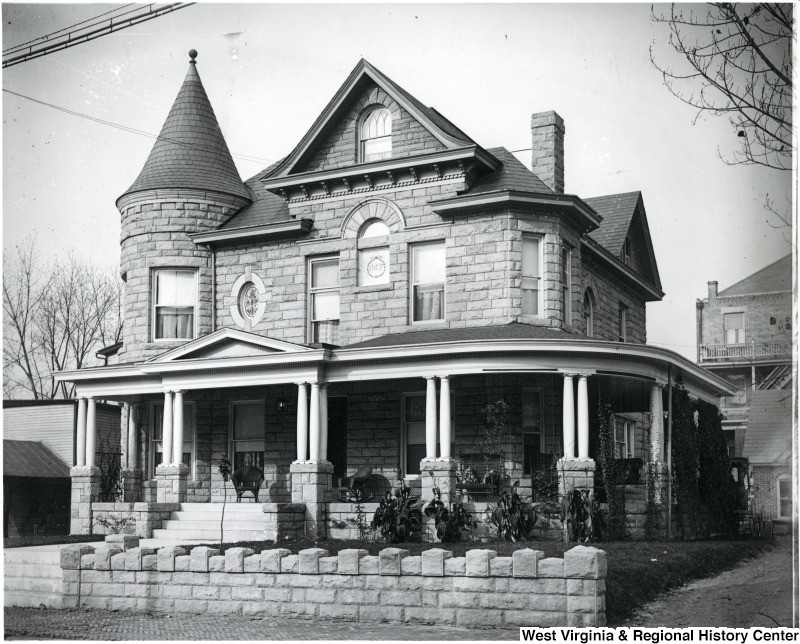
point(132, 130)
point(73, 38)
point(58, 31)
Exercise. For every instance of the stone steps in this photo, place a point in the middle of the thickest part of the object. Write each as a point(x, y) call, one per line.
point(200, 522)
point(32, 578)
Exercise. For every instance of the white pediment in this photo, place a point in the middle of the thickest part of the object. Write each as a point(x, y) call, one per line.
point(228, 343)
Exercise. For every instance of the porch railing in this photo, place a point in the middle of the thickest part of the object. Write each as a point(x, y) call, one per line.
point(748, 350)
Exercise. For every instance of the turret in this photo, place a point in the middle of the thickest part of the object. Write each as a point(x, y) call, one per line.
point(189, 184)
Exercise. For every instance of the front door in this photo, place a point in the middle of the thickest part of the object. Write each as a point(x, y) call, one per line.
point(247, 434)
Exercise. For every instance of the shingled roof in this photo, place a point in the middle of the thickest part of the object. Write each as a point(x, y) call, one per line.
point(267, 207)
point(617, 212)
point(190, 151)
point(32, 459)
point(512, 175)
point(769, 431)
point(775, 277)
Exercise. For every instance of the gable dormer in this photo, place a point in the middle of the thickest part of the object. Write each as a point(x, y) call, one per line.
point(375, 134)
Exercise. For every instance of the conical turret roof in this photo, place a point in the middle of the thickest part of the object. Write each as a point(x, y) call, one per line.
point(191, 152)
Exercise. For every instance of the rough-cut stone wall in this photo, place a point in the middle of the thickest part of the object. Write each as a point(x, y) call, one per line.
point(341, 147)
point(480, 589)
point(609, 291)
point(155, 234)
point(757, 309)
point(142, 518)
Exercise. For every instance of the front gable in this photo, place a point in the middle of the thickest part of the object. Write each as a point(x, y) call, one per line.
point(331, 141)
point(643, 259)
point(228, 343)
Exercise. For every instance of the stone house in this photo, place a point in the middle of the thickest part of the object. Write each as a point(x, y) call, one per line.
point(744, 334)
point(362, 301)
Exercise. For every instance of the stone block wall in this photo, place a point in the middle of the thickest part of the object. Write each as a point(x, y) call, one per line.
point(284, 521)
point(341, 147)
point(85, 482)
point(142, 517)
point(480, 589)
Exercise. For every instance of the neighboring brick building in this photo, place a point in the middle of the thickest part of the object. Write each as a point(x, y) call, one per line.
point(744, 334)
point(361, 301)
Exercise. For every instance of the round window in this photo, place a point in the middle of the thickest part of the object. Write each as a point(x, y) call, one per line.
point(248, 301)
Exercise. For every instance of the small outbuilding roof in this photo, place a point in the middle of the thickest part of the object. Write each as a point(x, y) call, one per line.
point(768, 439)
point(32, 459)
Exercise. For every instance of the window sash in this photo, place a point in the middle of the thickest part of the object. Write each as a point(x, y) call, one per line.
point(428, 281)
point(174, 304)
point(733, 325)
point(377, 149)
point(784, 498)
point(324, 301)
point(531, 275)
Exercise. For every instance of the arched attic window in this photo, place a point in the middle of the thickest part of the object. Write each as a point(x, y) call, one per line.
point(373, 253)
point(375, 135)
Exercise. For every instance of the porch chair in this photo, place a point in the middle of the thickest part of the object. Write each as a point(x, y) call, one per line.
point(354, 485)
point(247, 479)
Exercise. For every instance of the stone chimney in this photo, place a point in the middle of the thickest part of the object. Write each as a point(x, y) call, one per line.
point(547, 138)
point(712, 291)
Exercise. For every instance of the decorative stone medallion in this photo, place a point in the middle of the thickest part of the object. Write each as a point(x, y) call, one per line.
point(250, 300)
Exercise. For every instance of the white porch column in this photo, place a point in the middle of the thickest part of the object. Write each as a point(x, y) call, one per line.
point(91, 432)
point(302, 422)
point(656, 424)
point(313, 430)
point(166, 430)
point(445, 432)
point(323, 421)
point(430, 419)
point(568, 415)
point(133, 436)
point(177, 431)
point(80, 447)
point(583, 418)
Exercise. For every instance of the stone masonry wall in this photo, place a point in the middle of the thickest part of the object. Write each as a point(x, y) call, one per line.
point(608, 293)
point(341, 147)
point(142, 518)
point(155, 234)
point(480, 589)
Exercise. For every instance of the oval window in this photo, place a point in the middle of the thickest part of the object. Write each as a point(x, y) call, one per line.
point(248, 301)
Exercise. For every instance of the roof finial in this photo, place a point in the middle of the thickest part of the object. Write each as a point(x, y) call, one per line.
point(192, 55)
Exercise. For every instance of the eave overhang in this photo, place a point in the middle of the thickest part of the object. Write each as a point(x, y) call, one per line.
point(583, 214)
point(465, 161)
point(290, 229)
point(415, 360)
point(651, 292)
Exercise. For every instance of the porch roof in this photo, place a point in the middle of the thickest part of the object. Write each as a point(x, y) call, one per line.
point(509, 348)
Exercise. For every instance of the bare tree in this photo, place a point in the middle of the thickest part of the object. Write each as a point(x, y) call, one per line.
point(56, 318)
point(738, 64)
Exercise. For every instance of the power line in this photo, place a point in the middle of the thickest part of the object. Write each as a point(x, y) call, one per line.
point(58, 31)
point(132, 130)
point(73, 38)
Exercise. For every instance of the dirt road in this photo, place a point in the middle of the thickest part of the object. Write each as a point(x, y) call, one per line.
point(757, 592)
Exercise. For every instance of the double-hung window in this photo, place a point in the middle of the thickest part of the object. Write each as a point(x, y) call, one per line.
point(533, 441)
point(733, 324)
point(623, 438)
point(323, 299)
point(531, 275)
point(427, 282)
point(622, 323)
point(566, 283)
point(174, 304)
point(784, 497)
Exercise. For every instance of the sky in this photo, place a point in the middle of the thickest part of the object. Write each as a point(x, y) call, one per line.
point(270, 69)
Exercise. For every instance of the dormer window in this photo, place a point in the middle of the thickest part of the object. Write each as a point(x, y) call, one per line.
point(627, 251)
point(375, 135)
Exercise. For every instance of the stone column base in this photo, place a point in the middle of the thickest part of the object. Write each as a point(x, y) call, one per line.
point(311, 485)
point(85, 491)
point(284, 521)
point(131, 486)
point(171, 483)
point(575, 473)
point(441, 474)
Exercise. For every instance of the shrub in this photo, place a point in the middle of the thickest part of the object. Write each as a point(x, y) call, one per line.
point(513, 517)
point(398, 517)
point(450, 523)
